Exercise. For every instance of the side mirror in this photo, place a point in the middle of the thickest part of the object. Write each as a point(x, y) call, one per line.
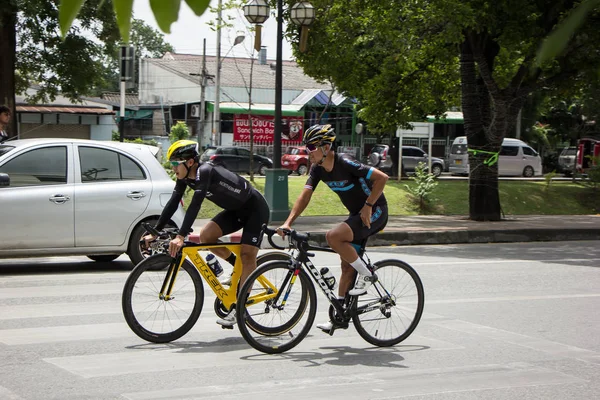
point(4, 179)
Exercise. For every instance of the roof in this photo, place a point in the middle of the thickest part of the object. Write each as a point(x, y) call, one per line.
point(109, 143)
point(46, 109)
point(321, 97)
point(131, 99)
point(235, 72)
point(289, 110)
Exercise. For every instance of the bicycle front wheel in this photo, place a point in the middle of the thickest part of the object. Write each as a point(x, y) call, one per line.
point(276, 307)
point(156, 319)
point(392, 307)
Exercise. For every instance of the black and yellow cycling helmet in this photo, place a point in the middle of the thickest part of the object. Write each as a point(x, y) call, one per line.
point(182, 150)
point(318, 135)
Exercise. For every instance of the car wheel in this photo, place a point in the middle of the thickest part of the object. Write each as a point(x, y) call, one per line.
point(262, 169)
point(436, 170)
point(104, 257)
point(528, 172)
point(134, 250)
point(302, 169)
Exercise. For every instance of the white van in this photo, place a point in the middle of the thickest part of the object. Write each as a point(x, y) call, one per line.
point(516, 158)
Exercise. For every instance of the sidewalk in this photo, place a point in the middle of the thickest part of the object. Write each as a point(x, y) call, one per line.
point(413, 230)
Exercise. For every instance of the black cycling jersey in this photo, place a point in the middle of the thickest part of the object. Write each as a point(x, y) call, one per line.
point(349, 179)
point(224, 188)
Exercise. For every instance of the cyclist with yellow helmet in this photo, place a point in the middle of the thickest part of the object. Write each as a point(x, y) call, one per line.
point(360, 188)
point(243, 207)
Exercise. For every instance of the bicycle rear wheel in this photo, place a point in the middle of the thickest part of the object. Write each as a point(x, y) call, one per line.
point(158, 320)
point(277, 307)
point(392, 307)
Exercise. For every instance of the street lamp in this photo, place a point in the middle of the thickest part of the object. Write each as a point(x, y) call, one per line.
point(257, 12)
point(303, 14)
point(276, 184)
point(217, 110)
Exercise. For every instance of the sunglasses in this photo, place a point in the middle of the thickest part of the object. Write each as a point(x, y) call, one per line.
point(177, 163)
point(311, 147)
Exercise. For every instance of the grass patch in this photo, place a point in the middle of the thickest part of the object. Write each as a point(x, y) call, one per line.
point(451, 197)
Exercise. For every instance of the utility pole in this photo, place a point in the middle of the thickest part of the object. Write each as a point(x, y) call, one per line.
point(216, 135)
point(203, 91)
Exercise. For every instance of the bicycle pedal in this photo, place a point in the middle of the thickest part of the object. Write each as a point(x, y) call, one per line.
point(226, 327)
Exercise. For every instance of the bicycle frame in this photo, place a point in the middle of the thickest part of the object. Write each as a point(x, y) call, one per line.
point(190, 251)
point(303, 249)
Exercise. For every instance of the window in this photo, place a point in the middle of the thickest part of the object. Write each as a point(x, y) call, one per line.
point(458, 149)
point(528, 151)
point(509, 151)
point(107, 165)
point(45, 166)
point(230, 151)
point(410, 152)
point(243, 153)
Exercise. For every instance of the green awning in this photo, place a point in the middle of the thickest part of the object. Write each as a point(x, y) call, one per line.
point(450, 117)
point(288, 110)
point(135, 114)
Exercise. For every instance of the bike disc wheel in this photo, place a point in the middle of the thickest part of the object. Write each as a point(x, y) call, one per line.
point(158, 320)
point(394, 303)
point(277, 307)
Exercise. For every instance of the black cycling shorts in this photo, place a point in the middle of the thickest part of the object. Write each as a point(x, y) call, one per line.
point(250, 217)
point(379, 219)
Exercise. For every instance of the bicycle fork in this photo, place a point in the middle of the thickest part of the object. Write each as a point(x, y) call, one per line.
point(167, 286)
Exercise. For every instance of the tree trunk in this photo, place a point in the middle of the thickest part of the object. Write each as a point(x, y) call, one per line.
point(484, 201)
point(8, 46)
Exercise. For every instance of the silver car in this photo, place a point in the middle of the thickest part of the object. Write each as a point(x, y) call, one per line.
point(79, 197)
point(380, 158)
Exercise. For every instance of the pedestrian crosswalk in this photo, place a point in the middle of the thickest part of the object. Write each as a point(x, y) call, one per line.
point(63, 336)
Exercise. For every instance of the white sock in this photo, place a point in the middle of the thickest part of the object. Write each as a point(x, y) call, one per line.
point(361, 267)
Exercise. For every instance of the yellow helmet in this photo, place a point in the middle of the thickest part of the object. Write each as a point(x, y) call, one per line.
point(182, 150)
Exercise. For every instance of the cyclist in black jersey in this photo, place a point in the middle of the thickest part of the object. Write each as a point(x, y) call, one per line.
point(360, 189)
point(243, 208)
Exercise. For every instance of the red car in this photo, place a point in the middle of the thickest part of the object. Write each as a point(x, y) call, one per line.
point(296, 160)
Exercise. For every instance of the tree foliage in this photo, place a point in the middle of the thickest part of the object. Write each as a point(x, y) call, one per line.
point(406, 59)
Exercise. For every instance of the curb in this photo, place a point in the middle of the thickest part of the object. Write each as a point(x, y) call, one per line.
point(408, 238)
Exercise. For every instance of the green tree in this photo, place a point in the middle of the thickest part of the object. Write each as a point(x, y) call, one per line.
point(404, 60)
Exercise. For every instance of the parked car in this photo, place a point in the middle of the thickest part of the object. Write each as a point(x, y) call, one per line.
point(588, 151)
point(380, 158)
point(236, 159)
point(296, 160)
point(516, 158)
point(566, 160)
point(79, 197)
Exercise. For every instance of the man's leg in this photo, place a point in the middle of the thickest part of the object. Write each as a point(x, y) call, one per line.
point(249, 255)
point(210, 233)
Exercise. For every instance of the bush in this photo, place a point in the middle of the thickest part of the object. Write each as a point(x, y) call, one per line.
point(422, 192)
point(117, 137)
point(179, 131)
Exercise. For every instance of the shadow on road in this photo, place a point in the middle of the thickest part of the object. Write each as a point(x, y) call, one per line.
point(35, 266)
point(346, 356)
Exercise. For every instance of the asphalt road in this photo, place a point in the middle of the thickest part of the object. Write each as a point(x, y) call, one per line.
point(501, 321)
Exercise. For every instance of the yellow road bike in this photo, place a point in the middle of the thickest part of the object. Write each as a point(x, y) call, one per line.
point(163, 296)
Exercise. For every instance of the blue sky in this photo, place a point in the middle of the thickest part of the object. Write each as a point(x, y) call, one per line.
point(189, 31)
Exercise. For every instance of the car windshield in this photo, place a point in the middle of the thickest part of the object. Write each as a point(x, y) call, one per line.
point(378, 149)
point(294, 151)
point(458, 149)
point(5, 149)
point(210, 152)
point(569, 152)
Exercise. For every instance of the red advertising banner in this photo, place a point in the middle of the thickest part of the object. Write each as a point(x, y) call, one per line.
point(264, 128)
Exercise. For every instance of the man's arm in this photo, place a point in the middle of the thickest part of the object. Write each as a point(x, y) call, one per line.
point(172, 205)
point(299, 206)
point(379, 180)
